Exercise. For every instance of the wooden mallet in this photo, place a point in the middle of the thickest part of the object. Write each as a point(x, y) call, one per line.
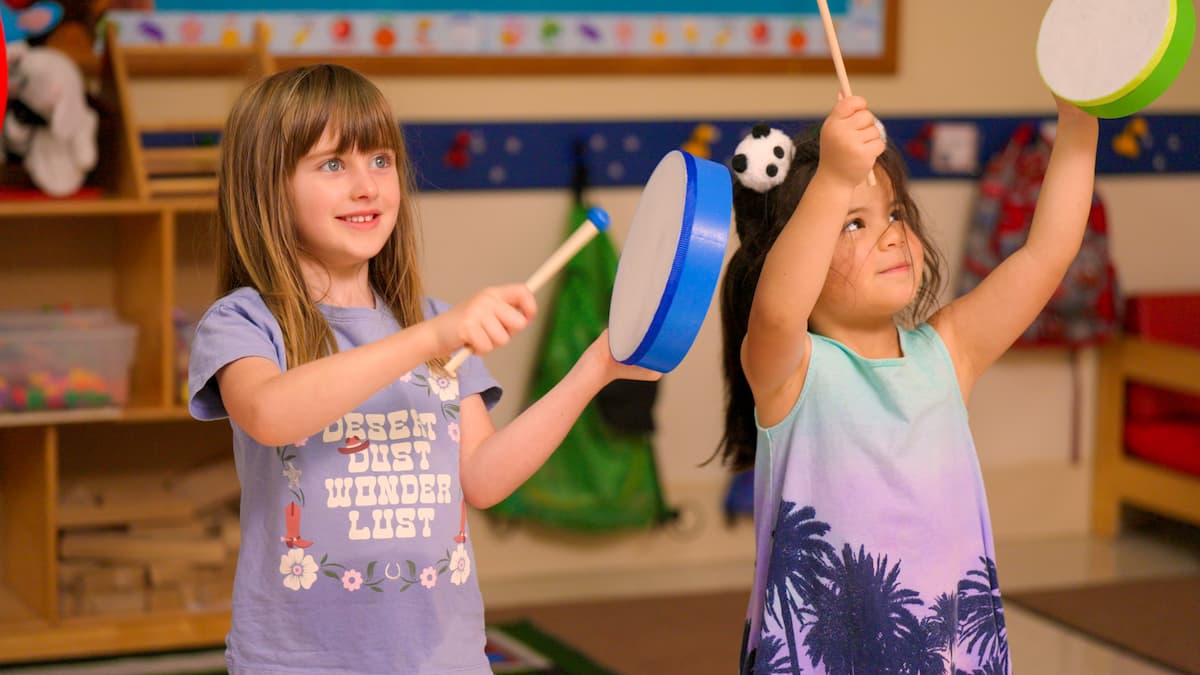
point(597, 222)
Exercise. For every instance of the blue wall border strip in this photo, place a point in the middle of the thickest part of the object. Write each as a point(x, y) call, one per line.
point(541, 155)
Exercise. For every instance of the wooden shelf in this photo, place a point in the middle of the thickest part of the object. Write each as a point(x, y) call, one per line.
point(103, 207)
point(109, 635)
point(189, 61)
point(90, 415)
point(122, 251)
point(57, 417)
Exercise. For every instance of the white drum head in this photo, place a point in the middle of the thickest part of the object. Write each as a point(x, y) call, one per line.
point(648, 254)
point(1090, 50)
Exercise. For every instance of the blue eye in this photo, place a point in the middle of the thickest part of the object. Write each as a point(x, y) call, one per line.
point(331, 165)
point(382, 161)
point(853, 225)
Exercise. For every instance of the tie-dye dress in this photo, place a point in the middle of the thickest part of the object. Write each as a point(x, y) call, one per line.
point(874, 547)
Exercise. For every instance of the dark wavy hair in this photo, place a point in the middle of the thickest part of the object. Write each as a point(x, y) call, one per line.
point(759, 217)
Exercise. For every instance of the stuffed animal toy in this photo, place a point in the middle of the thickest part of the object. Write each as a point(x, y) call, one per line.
point(59, 154)
point(15, 26)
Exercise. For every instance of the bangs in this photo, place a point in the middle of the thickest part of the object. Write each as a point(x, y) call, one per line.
point(364, 127)
point(345, 103)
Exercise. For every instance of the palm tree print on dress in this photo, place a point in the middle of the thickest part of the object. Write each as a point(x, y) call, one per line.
point(852, 614)
point(864, 624)
point(981, 624)
point(942, 625)
point(796, 568)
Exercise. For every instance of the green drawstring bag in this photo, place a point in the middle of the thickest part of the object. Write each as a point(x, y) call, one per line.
point(603, 476)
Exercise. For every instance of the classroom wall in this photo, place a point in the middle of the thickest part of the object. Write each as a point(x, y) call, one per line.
point(954, 58)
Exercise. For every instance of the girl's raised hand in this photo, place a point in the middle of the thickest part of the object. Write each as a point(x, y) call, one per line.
point(486, 320)
point(850, 141)
point(1072, 117)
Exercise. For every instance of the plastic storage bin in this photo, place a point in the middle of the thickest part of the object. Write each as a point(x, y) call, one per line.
point(64, 359)
point(185, 329)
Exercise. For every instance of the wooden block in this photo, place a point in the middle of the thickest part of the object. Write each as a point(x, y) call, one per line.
point(172, 529)
point(125, 547)
point(123, 486)
point(118, 499)
point(148, 508)
point(208, 486)
point(114, 602)
point(166, 599)
point(110, 578)
point(170, 573)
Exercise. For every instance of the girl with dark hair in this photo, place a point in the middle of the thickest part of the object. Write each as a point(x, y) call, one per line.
point(846, 391)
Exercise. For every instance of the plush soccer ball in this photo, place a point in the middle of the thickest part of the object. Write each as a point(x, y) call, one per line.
point(761, 160)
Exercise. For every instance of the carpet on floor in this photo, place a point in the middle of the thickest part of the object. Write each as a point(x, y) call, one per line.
point(1155, 619)
point(513, 648)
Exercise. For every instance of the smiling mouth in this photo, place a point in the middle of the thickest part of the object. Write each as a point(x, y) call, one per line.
point(360, 221)
point(903, 267)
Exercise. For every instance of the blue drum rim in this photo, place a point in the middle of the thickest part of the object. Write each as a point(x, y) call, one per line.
point(695, 268)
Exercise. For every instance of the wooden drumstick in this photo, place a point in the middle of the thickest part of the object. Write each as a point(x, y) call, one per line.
point(597, 222)
point(838, 64)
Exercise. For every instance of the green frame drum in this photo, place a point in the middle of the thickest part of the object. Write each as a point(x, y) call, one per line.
point(1112, 58)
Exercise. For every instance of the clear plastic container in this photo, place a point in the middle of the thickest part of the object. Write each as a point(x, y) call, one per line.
point(185, 329)
point(64, 359)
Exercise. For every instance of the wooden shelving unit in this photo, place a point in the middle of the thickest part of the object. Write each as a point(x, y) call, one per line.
point(142, 252)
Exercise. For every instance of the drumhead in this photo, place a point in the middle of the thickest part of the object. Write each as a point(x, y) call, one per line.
point(648, 255)
point(670, 262)
point(1093, 51)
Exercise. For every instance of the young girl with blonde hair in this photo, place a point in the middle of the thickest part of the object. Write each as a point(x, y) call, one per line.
point(357, 452)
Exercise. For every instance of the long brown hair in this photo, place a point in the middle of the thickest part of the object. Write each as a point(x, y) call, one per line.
point(759, 219)
point(273, 124)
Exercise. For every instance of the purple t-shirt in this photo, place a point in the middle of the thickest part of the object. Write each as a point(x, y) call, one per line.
point(355, 555)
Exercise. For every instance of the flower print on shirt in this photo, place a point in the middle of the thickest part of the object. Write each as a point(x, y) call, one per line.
point(460, 566)
point(352, 580)
point(452, 431)
point(444, 388)
point(429, 577)
point(299, 570)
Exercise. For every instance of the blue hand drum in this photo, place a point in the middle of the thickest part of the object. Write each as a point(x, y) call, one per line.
point(670, 262)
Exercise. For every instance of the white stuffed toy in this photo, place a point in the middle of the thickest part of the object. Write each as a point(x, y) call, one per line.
point(59, 155)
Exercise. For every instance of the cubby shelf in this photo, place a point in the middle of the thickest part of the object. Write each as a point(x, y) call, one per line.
point(142, 254)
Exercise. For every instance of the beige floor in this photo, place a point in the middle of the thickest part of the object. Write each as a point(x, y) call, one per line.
point(700, 634)
point(1041, 647)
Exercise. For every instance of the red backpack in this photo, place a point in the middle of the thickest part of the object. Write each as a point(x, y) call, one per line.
point(1083, 310)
